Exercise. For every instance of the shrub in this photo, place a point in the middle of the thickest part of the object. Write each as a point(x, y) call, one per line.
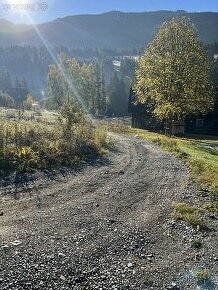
point(117, 126)
point(26, 159)
point(170, 145)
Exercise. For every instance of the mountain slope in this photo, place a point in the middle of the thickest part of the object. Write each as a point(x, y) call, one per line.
point(109, 30)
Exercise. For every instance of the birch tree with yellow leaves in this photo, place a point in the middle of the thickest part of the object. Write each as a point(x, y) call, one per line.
point(173, 75)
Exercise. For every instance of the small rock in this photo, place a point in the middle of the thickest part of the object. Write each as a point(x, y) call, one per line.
point(16, 243)
point(173, 286)
point(213, 217)
point(129, 265)
point(49, 257)
point(61, 255)
point(1, 213)
point(111, 221)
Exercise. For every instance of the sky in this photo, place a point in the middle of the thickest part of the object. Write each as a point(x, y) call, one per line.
point(21, 11)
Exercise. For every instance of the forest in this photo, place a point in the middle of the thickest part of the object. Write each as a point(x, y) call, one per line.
point(28, 68)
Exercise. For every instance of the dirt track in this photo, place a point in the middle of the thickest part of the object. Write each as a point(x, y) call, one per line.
point(106, 227)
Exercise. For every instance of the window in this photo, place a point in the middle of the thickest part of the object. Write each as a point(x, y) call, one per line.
point(199, 123)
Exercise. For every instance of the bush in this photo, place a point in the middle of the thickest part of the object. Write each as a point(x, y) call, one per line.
point(121, 126)
point(169, 144)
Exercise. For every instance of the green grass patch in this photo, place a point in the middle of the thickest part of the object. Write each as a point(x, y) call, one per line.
point(201, 275)
point(188, 213)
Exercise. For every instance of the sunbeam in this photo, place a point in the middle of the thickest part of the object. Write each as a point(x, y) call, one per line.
point(54, 58)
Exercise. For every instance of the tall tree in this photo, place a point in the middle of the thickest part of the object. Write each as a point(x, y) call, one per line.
point(174, 73)
point(5, 80)
point(100, 94)
point(118, 99)
point(24, 84)
point(6, 100)
point(78, 82)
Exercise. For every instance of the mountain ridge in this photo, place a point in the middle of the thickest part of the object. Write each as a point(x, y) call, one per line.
point(113, 29)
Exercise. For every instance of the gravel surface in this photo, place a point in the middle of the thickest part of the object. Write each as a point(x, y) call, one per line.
point(108, 226)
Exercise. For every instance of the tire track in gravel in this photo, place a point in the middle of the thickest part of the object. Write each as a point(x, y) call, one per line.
point(107, 227)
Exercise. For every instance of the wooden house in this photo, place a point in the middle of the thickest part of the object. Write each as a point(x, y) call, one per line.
point(202, 124)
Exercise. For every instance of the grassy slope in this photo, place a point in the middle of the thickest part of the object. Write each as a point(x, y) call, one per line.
point(201, 155)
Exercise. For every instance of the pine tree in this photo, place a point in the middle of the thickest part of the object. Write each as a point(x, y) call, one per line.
point(100, 94)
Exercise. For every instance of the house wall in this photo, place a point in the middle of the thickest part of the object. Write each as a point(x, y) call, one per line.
point(142, 119)
point(209, 125)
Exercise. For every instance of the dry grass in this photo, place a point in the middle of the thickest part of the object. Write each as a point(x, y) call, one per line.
point(26, 145)
point(117, 126)
point(211, 207)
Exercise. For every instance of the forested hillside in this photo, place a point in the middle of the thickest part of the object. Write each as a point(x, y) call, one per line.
point(111, 40)
point(115, 30)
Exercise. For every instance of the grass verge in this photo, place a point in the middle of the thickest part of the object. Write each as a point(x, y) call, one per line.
point(200, 155)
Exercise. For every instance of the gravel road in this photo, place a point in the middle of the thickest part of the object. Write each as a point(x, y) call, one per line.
point(107, 226)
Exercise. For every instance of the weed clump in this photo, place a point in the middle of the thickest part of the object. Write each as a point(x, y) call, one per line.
point(196, 244)
point(201, 275)
point(205, 173)
point(188, 213)
point(212, 207)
